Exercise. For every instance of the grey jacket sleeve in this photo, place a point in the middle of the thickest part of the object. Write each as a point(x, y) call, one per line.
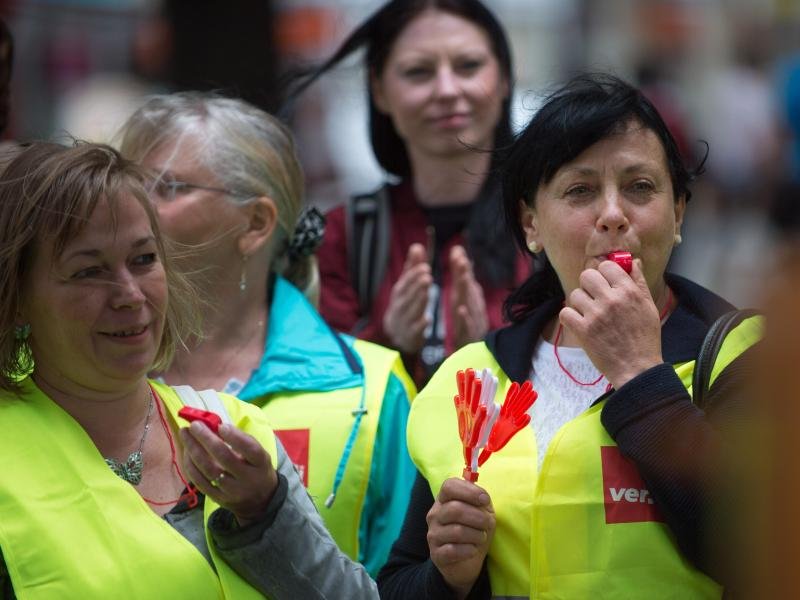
point(290, 554)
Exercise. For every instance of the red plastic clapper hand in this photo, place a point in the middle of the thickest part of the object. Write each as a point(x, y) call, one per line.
point(473, 397)
point(513, 417)
point(488, 411)
point(463, 401)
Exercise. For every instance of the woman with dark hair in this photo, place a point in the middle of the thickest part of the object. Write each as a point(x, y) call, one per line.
point(422, 265)
point(608, 493)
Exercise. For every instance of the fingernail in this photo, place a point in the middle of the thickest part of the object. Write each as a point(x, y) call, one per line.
point(483, 499)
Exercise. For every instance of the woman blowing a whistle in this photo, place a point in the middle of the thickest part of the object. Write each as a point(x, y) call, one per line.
point(606, 492)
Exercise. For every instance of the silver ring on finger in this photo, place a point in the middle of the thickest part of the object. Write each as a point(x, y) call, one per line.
point(217, 481)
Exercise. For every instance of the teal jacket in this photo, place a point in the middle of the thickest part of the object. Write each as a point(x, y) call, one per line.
point(301, 354)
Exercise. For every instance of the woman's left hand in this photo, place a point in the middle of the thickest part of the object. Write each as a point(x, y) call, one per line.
point(232, 468)
point(614, 318)
point(469, 318)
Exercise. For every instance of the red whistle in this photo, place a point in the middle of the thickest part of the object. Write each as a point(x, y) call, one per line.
point(623, 259)
point(212, 420)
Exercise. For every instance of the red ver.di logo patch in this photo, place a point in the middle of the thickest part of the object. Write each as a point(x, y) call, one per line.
point(296, 443)
point(626, 498)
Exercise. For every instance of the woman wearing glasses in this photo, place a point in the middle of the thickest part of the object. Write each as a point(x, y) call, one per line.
point(230, 191)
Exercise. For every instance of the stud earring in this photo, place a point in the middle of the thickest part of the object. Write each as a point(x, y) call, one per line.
point(534, 247)
point(21, 332)
point(678, 239)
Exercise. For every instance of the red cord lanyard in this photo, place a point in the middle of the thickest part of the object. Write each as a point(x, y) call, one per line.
point(661, 317)
point(191, 494)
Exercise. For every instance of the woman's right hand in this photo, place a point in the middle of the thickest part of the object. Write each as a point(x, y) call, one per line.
point(460, 528)
point(404, 321)
point(231, 467)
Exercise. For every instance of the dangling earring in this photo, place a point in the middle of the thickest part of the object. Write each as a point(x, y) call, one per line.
point(243, 278)
point(678, 239)
point(534, 246)
point(21, 332)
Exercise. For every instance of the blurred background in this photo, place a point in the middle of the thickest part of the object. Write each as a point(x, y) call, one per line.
point(723, 71)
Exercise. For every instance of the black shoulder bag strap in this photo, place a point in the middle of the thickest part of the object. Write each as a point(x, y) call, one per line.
point(709, 349)
point(368, 237)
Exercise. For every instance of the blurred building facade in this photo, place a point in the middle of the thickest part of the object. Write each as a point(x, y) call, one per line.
point(712, 66)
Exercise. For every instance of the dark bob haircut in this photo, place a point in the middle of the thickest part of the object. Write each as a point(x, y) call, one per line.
point(377, 36)
point(587, 109)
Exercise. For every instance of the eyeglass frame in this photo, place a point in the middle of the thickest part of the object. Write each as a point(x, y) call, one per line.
point(174, 186)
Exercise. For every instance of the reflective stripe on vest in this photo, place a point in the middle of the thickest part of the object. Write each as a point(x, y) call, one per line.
point(70, 528)
point(314, 427)
point(607, 540)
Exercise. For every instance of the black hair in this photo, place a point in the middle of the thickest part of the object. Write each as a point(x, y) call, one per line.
point(493, 252)
point(587, 109)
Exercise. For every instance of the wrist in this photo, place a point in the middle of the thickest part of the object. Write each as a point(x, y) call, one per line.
point(255, 512)
point(633, 370)
point(460, 591)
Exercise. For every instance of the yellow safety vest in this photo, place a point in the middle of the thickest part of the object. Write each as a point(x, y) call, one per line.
point(70, 528)
point(314, 428)
point(583, 527)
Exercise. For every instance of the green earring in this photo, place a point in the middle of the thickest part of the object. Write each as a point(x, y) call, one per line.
point(21, 332)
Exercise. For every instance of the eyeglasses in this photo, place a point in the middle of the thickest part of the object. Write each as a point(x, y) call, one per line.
point(168, 189)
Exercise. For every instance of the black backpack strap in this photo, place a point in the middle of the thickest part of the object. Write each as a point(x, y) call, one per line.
point(709, 349)
point(368, 230)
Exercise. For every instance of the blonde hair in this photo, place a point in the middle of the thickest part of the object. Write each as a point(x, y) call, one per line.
point(49, 191)
point(249, 151)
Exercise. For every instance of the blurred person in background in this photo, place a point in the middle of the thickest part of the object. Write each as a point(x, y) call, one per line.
point(655, 80)
point(230, 190)
point(104, 491)
point(608, 493)
point(788, 93)
point(784, 205)
point(170, 46)
point(223, 47)
point(6, 63)
point(422, 264)
point(740, 123)
point(765, 479)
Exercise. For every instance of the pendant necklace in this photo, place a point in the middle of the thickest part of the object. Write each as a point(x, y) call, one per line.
point(131, 469)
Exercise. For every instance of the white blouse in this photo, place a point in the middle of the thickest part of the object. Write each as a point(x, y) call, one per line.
point(560, 399)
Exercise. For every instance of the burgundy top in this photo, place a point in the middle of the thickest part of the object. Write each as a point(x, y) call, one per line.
point(339, 300)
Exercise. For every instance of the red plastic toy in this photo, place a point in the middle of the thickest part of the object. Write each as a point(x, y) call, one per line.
point(623, 259)
point(483, 426)
point(212, 420)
